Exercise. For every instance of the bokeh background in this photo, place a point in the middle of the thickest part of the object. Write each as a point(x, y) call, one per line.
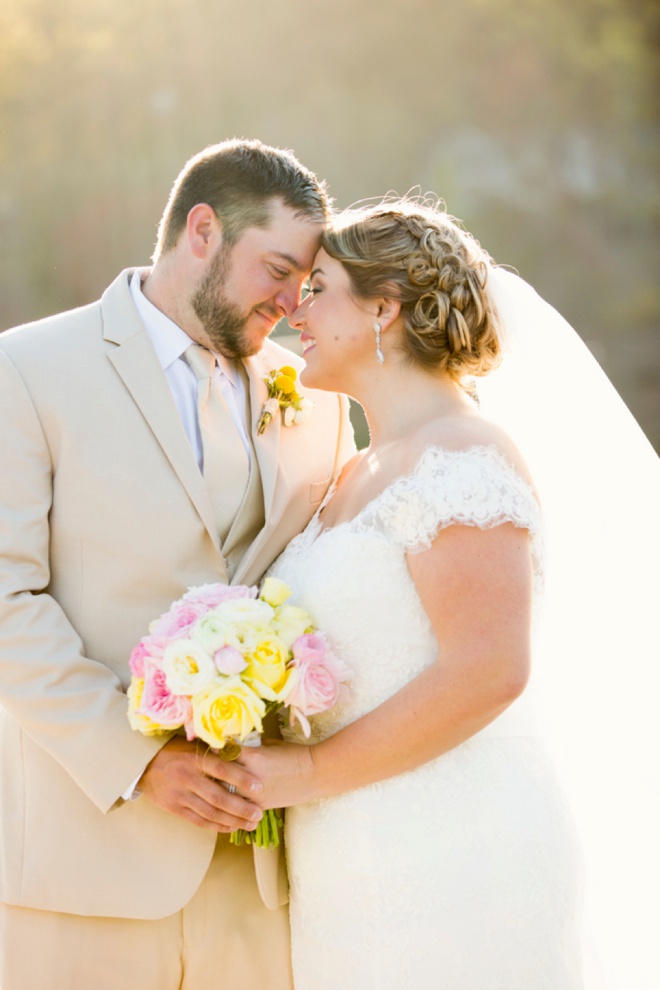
point(536, 120)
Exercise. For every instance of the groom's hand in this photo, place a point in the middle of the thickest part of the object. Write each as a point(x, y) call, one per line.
point(187, 779)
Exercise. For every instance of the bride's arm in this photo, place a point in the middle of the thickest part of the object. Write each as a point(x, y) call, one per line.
point(476, 588)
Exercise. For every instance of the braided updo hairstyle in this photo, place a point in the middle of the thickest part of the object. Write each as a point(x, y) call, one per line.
point(415, 252)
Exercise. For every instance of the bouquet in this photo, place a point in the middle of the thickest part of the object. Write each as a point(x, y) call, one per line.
point(219, 660)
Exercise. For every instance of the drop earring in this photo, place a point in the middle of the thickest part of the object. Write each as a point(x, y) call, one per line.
point(380, 357)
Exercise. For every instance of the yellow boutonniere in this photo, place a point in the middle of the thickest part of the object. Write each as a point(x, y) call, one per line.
point(282, 394)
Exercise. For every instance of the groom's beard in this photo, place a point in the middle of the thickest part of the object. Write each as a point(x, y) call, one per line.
point(222, 320)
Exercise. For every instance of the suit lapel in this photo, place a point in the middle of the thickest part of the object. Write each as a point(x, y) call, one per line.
point(267, 445)
point(135, 361)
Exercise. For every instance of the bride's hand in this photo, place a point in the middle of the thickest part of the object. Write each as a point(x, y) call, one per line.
point(285, 770)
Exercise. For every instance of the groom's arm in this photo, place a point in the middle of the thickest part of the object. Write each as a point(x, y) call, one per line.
point(71, 705)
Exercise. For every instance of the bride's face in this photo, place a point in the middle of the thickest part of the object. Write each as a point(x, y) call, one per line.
point(336, 329)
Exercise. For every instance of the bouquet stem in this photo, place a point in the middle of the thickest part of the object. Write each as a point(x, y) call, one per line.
point(266, 835)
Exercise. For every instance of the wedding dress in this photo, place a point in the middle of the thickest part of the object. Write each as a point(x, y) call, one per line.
point(464, 874)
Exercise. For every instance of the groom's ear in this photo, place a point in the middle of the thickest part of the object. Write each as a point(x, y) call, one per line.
point(204, 231)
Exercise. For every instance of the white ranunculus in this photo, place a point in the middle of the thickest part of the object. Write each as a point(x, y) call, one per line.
point(188, 668)
point(240, 610)
point(212, 632)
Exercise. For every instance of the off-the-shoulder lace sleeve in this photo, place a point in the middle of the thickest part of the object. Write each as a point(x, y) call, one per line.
point(473, 487)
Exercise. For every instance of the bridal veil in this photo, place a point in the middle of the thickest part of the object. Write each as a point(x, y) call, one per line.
point(596, 686)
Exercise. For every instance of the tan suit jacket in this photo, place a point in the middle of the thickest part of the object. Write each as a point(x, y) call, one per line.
point(104, 521)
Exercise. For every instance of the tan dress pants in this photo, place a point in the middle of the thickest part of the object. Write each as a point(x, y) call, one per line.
point(223, 938)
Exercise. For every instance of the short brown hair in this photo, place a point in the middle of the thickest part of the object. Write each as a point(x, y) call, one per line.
point(414, 251)
point(238, 179)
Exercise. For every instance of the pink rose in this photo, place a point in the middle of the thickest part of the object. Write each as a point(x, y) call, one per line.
point(179, 620)
point(319, 677)
point(211, 595)
point(149, 647)
point(158, 703)
point(136, 660)
point(310, 648)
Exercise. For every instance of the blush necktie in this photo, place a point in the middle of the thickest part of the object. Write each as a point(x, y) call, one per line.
point(225, 465)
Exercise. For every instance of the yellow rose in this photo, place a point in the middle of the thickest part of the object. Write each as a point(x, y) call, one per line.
point(140, 722)
point(266, 669)
point(227, 709)
point(274, 591)
point(290, 622)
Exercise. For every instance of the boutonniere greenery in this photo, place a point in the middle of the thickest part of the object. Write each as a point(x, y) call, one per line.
point(283, 395)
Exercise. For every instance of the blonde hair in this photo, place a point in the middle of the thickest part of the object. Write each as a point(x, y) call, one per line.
point(412, 250)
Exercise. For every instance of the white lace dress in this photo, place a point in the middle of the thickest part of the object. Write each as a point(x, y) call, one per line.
point(460, 875)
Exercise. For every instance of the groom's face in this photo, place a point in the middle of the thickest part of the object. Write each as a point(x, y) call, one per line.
point(250, 285)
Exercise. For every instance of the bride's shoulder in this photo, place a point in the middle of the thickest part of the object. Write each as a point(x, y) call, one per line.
point(468, 437)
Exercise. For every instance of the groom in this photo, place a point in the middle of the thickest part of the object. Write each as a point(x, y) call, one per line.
point(115, 867)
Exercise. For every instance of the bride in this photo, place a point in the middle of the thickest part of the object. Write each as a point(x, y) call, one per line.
point(429, 843)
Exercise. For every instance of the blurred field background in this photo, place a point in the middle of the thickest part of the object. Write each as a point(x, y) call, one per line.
point(536, 120)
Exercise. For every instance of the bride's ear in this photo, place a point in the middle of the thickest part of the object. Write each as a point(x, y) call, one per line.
point(388, 309)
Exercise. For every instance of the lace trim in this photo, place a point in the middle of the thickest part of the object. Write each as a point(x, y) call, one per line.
point(473, 486)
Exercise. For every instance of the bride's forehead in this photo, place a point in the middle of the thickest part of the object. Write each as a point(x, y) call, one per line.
point(325, 264)
point(322, 258)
